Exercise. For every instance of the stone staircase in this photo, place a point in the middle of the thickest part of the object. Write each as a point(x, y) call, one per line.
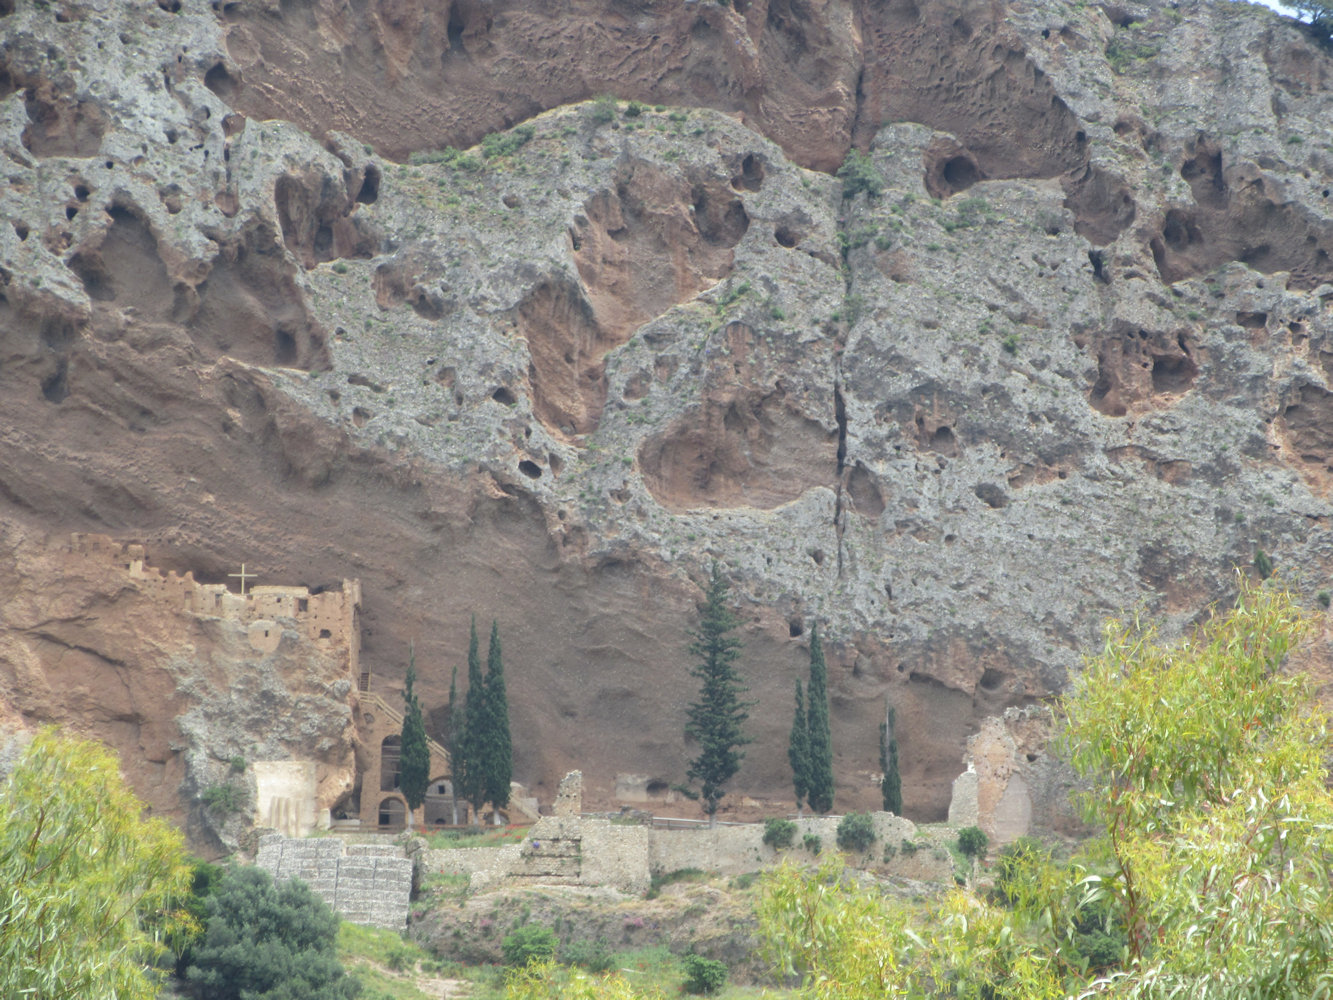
point(365, 883)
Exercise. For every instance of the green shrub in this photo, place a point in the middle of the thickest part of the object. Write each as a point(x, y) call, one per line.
point(972, 841)
point(602, 110)
point(1324, 598)
point(858, 173)
point(703, 975)
point(504, 143)
point(910, 847)
point(268, 942)
point(1017, 866)
point(633, 109)
point(595, 956)
point(1263, 564)
point(856, 832)
point(779, 833)
point(529, 942)
point(812, 843)
point(224, 799)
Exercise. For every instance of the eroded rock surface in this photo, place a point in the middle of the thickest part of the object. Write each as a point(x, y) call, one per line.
point(1064, 349)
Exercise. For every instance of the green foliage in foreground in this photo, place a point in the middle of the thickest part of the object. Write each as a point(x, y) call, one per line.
point(82, 877)
point(1212, 879)
point(972, 841)
point(268, 942)
point(703, 975)
point(529, 943)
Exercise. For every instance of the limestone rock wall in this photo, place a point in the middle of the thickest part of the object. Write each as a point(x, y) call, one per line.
point(1062, 350)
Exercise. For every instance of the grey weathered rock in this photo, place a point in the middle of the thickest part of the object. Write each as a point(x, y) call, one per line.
point(1073, 358)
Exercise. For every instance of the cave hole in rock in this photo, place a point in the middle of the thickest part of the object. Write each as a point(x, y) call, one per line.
point(455, 29)
point(1252, 320)
point(1173, 373)
point(81, 191)
point(21, 230)
point(360, 416)
point(1031, 758)
point(530, 469)
point(751, 174)
point(795, 628)
point(657, 788)
point(555, 462)
point(991, 495)
point(71, 211)
point(370, 186)
point(220, 81)
point(6, 7)
point(960, 173)
point(1097, 258)
point(818, 556)
point(170, 6)
point(356, 378)
point(991, 679)
point(284, 348)
point(503, 395)
point(55, 387)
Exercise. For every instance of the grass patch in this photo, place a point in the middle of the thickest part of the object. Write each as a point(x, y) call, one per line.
point(660, 882)
point(446, 840)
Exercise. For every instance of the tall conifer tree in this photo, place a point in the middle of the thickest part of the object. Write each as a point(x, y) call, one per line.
point(891, 785)
point(499, 766)
point(819, 787)
point(414, 766)
point(470, 773)
point(715, 719)
point(798, 749)
point(454, 740)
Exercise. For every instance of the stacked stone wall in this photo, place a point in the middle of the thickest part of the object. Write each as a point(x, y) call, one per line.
point(365, 883)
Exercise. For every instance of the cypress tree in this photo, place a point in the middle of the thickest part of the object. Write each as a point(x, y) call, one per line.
point(470, 772)
point(453, 741)
point(798, 749)
point(500, 748)
point(715, 719)
point(819, 783)
point(891, 785)
point(414, 767)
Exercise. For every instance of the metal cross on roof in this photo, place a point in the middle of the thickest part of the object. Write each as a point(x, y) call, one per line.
point(243, 575)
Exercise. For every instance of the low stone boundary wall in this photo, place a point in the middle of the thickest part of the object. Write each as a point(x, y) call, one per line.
point(365, 883)
point(589, 851)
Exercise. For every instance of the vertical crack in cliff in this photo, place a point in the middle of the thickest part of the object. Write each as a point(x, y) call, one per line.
point(840, 415)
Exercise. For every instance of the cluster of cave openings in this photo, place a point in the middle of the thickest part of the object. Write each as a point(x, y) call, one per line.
point(391, 754)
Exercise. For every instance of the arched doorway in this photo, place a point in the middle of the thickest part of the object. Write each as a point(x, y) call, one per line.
point(393, 814)
point(439, 802)
point(391, 753)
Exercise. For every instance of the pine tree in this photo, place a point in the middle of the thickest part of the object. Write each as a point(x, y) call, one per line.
point(819, 781)
point(715, 719)
point(798, 749)
point(453, 741)
point(891, 785)
point(469, 770)
point(499, 766)
point(414, 767)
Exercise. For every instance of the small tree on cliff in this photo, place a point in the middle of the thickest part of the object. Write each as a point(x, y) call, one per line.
point(499, 747)
point(891, 785)
point(414, 767)
point(798, 749)
point(715, 719)
point(819, 780)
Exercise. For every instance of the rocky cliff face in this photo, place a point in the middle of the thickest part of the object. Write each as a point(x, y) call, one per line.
point(1060, 346)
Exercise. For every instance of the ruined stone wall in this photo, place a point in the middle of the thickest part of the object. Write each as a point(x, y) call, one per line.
point(365, 883)
point(330, 616)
